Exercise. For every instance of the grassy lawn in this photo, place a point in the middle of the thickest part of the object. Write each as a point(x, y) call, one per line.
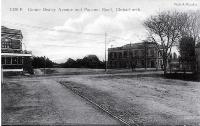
point(143, 99)
point(84, 71)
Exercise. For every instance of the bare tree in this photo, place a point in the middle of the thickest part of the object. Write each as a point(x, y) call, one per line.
point(191, 28)
point(165, 29)
point(190, 37)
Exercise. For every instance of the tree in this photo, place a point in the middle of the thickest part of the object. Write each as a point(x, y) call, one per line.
point(41, 62)
point(165, 29)
point(187, 52)
point(190, 38)
point(27, 65)
point(192, 26)
point(90, 61)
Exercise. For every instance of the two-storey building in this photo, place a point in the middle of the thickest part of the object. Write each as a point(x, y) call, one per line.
point(13, 58)
point(139, 55)
point(197, 53)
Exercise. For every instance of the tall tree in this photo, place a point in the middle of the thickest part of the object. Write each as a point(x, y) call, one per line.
point(165, 29)
point(89, 61)
point(187, 52)
point(192, 27)
point(42, 62)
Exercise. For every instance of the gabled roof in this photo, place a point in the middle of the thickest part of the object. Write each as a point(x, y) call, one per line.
point(10, 33)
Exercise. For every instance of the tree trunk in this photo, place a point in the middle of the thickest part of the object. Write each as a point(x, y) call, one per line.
point(165, 64)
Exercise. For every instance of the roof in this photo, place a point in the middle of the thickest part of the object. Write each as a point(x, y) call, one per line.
point(134, 46)
point(10, 33)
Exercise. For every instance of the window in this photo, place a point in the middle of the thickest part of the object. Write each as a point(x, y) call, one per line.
point(2, 44)
point(3, 60)
point(14, 60)
point(136, 52)
point(6, 43)
point(143, 63)
point(161, 62)
point(115, 55)
point(125, 54)
point(9, 44)
point(8, 60)
point(152, 52)
point(19, 60)
point(110, 55)
point(120, 55)
point(131, 54)
point(115, 63)
point(142, 53)
point(152, 64)
point(111, 63)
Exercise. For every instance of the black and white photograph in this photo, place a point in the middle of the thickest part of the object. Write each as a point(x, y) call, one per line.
point(100, 62)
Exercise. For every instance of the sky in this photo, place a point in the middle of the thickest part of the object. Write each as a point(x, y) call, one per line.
point(60, 34)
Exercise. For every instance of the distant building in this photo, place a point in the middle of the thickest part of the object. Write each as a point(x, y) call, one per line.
point(13, 58)
point(173, 64)
point(197, 51)
point(138, 55)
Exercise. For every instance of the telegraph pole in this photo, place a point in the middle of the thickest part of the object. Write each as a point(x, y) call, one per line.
point(44, 65)
point(105, 54)
point(145, 54)
point(129, 57)
point(2, 74)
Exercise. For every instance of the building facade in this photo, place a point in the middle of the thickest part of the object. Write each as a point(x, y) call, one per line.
point(138, 55)
point(13, 58)
point(197, 52)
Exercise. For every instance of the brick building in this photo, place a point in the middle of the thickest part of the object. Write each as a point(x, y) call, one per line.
point(13, 58)
point(139, 55)
point(197, 52)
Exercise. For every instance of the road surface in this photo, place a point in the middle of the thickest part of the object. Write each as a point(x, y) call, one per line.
point(44, 101)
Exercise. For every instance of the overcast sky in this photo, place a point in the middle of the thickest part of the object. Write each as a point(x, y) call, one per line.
point(60, 35)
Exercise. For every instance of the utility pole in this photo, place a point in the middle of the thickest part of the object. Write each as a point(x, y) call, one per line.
point(2, 74)
point(44, 65)
point(105, 54)
point(145, 54)
point(130, 57)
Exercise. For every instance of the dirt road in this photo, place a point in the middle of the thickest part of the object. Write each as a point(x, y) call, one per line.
point(44, 101)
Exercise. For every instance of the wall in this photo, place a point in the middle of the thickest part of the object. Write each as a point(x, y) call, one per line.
point(197, 50)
